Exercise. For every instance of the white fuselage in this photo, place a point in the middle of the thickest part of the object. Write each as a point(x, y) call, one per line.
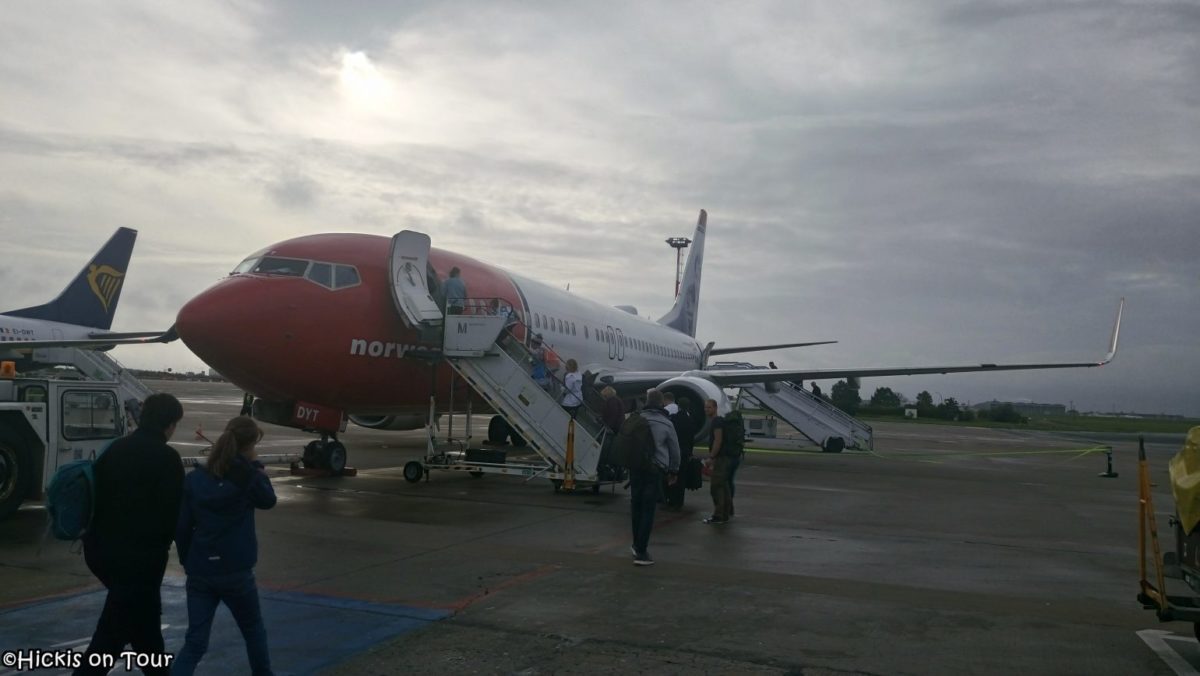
point(601, 337)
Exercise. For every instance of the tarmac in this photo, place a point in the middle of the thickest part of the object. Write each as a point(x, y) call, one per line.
point(945, 550)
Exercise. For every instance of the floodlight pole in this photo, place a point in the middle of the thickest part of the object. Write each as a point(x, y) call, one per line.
point(678, 244)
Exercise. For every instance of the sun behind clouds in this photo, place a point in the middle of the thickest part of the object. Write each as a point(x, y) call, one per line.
point(361, 82)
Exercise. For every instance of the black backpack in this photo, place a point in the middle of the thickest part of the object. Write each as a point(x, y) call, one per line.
point(634, 445)
point(733, 435)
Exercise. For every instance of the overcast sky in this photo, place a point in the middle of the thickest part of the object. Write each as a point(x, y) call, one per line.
point(928, 183)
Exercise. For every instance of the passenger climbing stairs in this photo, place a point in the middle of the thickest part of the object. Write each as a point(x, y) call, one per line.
point(482, 349)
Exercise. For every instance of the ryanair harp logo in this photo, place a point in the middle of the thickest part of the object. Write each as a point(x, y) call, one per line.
point(105, 281)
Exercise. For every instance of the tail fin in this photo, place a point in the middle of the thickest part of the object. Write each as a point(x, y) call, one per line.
point(91, 298)
point(686, 312)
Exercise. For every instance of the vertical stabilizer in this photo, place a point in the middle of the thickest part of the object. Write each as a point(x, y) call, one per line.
point(91, 298)
point(686, 312)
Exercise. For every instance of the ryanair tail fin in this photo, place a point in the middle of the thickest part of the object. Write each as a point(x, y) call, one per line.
point(686, 312)
point(91, 298)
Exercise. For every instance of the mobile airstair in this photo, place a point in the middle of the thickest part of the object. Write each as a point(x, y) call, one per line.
point(96, 365)
point(820, 421)
point(482, 350)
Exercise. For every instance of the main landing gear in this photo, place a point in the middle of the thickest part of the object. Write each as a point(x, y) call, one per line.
point(326, 453)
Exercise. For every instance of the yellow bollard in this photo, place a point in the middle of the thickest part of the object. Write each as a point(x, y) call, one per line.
point(569, 480)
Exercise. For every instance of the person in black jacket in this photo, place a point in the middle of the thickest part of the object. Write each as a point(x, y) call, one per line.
point(685, 429)
point(217, 545)
point(138, 480)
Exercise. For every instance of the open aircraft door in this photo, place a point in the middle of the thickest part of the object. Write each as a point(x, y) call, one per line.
point(409, 262)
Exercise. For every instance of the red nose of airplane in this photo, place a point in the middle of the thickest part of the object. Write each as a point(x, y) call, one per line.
point(222, 325)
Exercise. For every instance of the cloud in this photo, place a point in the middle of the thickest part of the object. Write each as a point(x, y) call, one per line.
point(928, 183)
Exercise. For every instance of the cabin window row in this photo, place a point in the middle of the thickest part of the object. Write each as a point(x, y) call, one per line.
point(543, 322)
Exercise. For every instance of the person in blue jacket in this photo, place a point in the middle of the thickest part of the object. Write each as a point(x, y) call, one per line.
point(217, 545)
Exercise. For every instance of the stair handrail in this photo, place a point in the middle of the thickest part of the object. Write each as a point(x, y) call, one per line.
point(835, 412)
point(587, 416)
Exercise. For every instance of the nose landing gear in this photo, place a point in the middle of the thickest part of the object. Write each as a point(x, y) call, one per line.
point(325, 453)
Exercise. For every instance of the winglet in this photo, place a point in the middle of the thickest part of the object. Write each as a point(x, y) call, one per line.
point(1112, 346)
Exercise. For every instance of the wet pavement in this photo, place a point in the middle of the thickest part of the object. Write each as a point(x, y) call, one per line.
point(945, 550)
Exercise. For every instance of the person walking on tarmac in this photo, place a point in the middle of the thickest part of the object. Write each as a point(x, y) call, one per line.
point(218, 547)
point(721, 465)
point(645, 485)
point(139, 481)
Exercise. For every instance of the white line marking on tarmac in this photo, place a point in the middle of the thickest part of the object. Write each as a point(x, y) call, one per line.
point(1157, 640)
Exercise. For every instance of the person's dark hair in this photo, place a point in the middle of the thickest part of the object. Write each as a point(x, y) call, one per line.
point(238, 435)
point(654, 398)
point(668, 397)
point(454, 271)
point(159, 412)
point(684, 402)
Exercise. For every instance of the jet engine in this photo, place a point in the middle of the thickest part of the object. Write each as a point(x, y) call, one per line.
point(405, 421)
point(697, 389)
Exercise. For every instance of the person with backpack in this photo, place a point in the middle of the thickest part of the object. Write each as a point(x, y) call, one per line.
point(138, 485)
point(725, 444)
point(647, 445)
point(218, 547)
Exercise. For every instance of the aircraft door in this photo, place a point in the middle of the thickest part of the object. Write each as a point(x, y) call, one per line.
point(611, 339)
point(620, 345)
point(408, 262)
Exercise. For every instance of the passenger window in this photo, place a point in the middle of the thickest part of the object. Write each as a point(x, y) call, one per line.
point(89, 415)
point(345, 275)
point(288, 267)
point(585, 332)
point(321, 273)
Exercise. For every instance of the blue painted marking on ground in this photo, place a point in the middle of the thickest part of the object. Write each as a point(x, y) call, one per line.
point(306, 632)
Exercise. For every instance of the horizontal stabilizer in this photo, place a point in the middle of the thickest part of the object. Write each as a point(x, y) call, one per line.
point(761, 348)
point(97, 340)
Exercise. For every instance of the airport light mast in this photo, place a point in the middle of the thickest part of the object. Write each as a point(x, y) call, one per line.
point(678, 244)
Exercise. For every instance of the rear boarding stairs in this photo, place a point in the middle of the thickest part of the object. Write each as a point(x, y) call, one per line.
point(482, 350)
point(811, 415)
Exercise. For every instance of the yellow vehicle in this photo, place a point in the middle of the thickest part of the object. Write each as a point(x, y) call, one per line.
point(1183, 564)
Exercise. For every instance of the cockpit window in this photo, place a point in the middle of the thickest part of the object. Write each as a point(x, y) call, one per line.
point(290, 267)
point(245, 266)
point(345, 275)
point(321, 273)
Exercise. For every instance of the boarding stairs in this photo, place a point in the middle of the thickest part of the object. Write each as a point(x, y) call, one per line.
point(97, 365)
point(814, 417)
point(482, 350)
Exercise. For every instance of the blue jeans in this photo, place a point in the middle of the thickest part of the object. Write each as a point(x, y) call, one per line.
point(239, 593)
point(645, 489)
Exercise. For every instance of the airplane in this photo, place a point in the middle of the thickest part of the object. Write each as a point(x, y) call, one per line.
point(309, 327)
point(82, 314)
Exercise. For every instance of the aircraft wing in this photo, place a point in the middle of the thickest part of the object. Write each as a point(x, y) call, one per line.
point(630, 381)
point(97, 340)
point(761, 348)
